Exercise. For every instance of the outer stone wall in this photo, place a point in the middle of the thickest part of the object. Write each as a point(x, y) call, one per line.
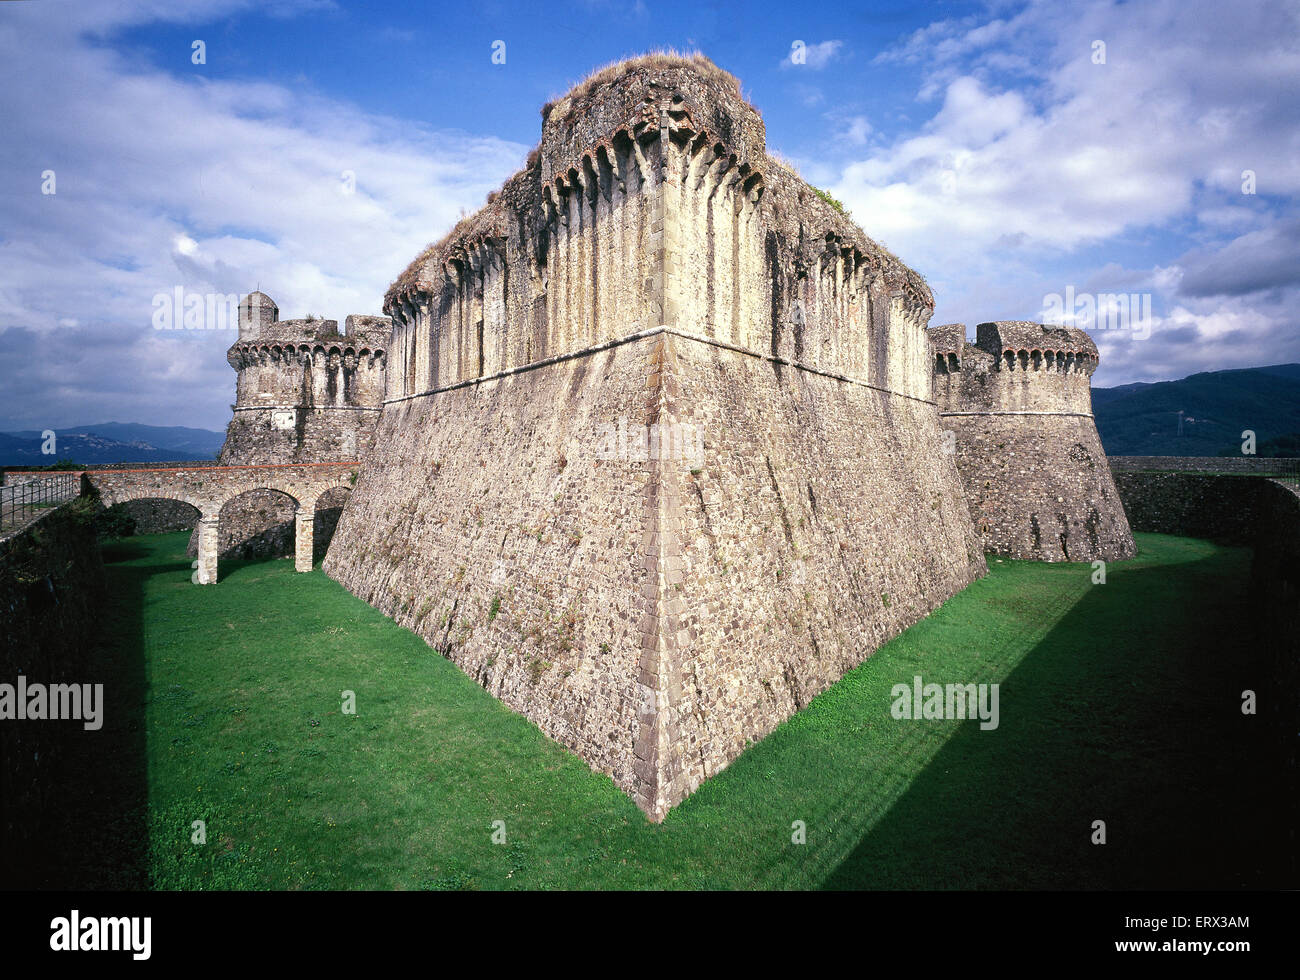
point(1018, 405)
point(652, 266)
point(655, 615)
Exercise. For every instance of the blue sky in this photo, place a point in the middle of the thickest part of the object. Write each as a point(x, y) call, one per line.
point(984, 143)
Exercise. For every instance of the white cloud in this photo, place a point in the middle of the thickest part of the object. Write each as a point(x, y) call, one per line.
point(857, 129)
point(214, 186)
point(1035, 154)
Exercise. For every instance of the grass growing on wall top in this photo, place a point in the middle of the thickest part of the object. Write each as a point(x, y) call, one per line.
point(1117, 702)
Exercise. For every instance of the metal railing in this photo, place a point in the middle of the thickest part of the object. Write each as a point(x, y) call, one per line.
point(20, 501)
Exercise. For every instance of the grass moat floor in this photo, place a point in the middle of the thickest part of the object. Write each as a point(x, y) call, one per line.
point(1118, 702)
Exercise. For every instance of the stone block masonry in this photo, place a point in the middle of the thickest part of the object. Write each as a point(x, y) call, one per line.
point(1018, 403)
point(653, 271)
point(305, 393)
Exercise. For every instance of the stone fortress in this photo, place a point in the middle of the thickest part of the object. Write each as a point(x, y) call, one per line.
point(1019, 404)
point(652, 267)
point(652, 271)
point(305, 393)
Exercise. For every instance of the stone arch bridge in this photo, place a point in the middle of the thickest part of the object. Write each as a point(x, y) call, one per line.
point(209, 488)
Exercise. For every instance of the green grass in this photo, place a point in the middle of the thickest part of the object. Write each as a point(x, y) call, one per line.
point(1118, 702)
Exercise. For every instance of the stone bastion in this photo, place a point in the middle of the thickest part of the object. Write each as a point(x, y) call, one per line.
point(659, 458)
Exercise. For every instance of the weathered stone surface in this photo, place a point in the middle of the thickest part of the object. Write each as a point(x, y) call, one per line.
point(1019, 404)
point(659, 459)
point(160, 516)
point(1193, 504)
point(305, 393)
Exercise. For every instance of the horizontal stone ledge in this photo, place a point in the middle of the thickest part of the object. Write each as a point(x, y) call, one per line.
point(654, 332)
point(209, 469)
point(307, 408)
point(1064, 415)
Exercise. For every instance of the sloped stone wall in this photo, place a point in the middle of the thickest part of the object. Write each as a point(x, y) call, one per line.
point(654, 615)
point(1039, 487)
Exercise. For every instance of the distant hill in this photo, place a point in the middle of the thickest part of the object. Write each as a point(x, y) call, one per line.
point(1103, 395)
point(1142, 419)
point(1290, 371)
point(112, 442)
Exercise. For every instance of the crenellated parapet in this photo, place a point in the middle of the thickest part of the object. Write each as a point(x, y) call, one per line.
point(651, 201)
point(1013, 366)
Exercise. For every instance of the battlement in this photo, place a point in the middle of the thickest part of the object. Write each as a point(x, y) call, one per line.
point(1013, 366)
point(651, 201)
point(1013, 345)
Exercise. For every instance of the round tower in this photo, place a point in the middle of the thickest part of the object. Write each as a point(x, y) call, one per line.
point(306, 392)
point(1018, 403)
point(257, 311)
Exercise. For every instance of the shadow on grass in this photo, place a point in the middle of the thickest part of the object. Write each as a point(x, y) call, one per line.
point(1144, 732)
point(99, 834)
point(95, 834)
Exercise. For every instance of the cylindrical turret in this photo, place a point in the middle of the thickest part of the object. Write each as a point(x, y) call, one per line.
point(1018, 405)
point(256, 312)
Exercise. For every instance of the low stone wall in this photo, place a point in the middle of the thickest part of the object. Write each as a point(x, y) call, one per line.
point(10, 475)
point(1221, 508)
point(160, 516)
point(1201, 464)
point(51, 589)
